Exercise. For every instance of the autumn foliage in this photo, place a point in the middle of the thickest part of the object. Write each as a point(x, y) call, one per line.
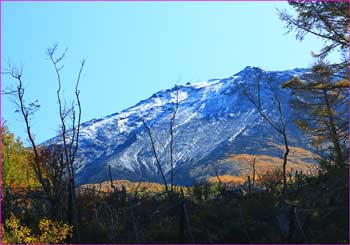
point(50, 232)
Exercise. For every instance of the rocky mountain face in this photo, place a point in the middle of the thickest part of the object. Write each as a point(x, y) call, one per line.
point(216, 130)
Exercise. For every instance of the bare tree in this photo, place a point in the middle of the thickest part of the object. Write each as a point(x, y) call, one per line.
point(172, 121)
point(159, 166)
point(47, 162)
point(251, 181)
point(70, 138)
point(279, 125)
point(49, 167)
point(253, 170)
point(27, 111)
point(171, 146)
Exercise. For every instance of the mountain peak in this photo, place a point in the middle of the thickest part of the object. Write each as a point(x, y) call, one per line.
point(252, 69)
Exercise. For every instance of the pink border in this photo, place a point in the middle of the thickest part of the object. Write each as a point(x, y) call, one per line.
point(164, 0)
point(0, 121)
point(119, 1)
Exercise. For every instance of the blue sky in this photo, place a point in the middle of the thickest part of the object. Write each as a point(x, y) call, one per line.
point(133, 49)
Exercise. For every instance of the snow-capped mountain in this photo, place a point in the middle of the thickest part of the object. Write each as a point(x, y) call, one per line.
point(214, 120)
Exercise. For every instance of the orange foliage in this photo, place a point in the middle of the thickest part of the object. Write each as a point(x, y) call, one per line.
point(228, 179)
point(265, 164)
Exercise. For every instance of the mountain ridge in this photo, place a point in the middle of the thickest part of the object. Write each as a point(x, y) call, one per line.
point(214, 119)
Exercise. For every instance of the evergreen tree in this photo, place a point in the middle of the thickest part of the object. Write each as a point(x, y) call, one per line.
point(320, 107)
point(326, 20)
point(320, 98)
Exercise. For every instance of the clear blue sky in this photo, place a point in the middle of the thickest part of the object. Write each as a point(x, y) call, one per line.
point(133, 49)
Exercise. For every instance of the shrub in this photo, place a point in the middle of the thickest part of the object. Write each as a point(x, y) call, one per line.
point(50, 232)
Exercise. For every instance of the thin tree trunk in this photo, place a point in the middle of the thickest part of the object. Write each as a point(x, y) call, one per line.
point(333, 130)
point(285, 159)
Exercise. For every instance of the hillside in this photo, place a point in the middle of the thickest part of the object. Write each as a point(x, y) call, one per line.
point(215, 125)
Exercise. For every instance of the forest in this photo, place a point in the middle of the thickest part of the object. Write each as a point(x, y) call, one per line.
point(41, 202)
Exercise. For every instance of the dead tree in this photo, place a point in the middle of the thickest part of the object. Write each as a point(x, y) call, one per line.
point(70, 137)
point(251, 182)
point(46, 162)
point(66, 156)
point(254, 171)
point(159, 166)
point(171, 146)
point(218, 177)
point(119, 194)
point(279, 125)
point(172, 121)
point(110, 178)
point(249, 186)
point(26, 111)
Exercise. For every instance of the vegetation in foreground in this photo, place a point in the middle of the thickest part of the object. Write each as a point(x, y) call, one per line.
point(224, 209)
point(42, 205)
point(315, 211)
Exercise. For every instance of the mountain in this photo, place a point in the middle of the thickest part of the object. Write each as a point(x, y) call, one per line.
point(216, 129)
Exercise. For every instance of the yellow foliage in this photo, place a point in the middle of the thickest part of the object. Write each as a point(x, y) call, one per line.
point(344, 83)
point(50, 232)
point(53, 232)
point(17, 165)
point(130, 187)
point(319, 85)
point(228, 179)
point(14, 232)
point(297, 160)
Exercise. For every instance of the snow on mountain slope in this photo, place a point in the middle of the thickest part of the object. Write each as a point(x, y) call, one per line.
point(214, 119)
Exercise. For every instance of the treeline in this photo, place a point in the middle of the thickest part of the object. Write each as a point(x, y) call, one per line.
point(39, 192)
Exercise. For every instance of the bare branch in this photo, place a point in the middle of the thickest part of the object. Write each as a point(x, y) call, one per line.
point(26, 111)
point(280, 129)
point(156, 156)
point(172, 137)
point(70, 149)
point(77, 93)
